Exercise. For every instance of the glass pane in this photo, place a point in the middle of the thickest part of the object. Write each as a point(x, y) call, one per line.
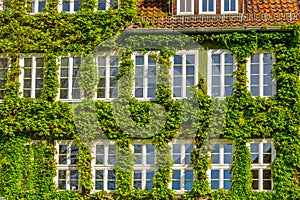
point(111, 185)
point(227, 184)
point(232, 5)
point(177, 70)
point(177, 59)
point(215, 174)
point(204, 5)
point(254, 174)
point(211, 5)
point(215, 185)
point(188, 174)
point(267, 80)
point(267, 91)
point(216, 70)
point(74, 174)
point(254, 80)
point(139, 60)
point(149, 174)
point(61, 184)
point(187, 159)
point(190, 59)
point(138, 159)
point(267, 68)
point(255, 58)
point(100, 159)
point(216, 59)
point(227, 159)
point(228, 80)
point(216, 80)
point(137, 184)
point(137, 148)
point(149, 185)
point(254, 90)
point(150, 159)
point(216, 148)
point(177, 92)
point(149, 148)
point(99, 149)
point(267, 185)
point(112, 159)
point(255, 184)
point(139, 93)
point(226, 5)
point(99, 174)
point(189, 5)
point(101, 60)
point(254, 69)
point(254, 148)
point(74, 149)
point(267, 174)
point(254, 158)
point(111, 174)
point(190, 70)
point(62, 149)
point(227, 174)
point(177, 159)
point(62, 174)
point(189, 148)
point(227, 148)
point(190, 81)
point(99, 185)
point(66, 5)
point(267, 148)
point(176, 185)
point(137, 174)
point(176, 174)
point(177, 81)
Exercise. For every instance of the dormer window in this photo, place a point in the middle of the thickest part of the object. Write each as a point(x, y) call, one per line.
point(229, 6)
point(207, 6)
point(185, 7)
point(195, 7)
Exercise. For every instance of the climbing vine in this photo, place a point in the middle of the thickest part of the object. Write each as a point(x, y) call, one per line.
point(29, 127)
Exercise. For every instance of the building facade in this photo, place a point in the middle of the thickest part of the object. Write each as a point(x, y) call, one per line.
point(160, 99)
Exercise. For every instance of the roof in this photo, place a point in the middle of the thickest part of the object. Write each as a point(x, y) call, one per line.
point(161, 14)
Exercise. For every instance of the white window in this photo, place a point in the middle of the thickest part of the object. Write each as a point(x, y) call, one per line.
point(183, 176)
point(69, 77)
point(144, 166)
point(108, 69)
point(67, 170)
point(38, 6)
point(185, 7)
point(3, 73)
point(32, 76)
point(229, 6)
point(220, 175)
point(259, 74)
point(145, 82)
point(4, 5)
point(104, 177)
point(106, 4)
point(184, 73)
point(262, 153)
point(71, 6)
point(207, 6)
point(221, 65)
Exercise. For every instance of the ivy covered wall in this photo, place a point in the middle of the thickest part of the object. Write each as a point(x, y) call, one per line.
point(27, 173)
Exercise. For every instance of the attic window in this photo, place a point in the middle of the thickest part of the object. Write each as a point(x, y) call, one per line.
point(185, 7)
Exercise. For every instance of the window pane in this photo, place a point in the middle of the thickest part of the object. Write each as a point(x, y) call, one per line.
point(215, 174)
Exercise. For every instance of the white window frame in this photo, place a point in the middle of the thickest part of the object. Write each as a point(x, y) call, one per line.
point(72, 6)
point(229, 12)
point(222, 72)
point(184, 53)
point(207, 12)
point(107, 4)
point(68, 167)
point(261, 74)
point(221, 166)
point(145, 77)
point(36, 6)
point(33, 74)
point(106, 166)
point(185, 13)
point(144, 167)
point(70, 79)
point(7, 68)
point(107, 76)
point(3, 4)
point(260, 166)
point(182, 166)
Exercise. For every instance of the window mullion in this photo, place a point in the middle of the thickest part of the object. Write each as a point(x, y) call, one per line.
point(33, 77)
point(145, 77)
point(107, 76)
point(222, 66)
point(261, 75)
point(70, 77)
point(184, 77)
point(21, 76)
